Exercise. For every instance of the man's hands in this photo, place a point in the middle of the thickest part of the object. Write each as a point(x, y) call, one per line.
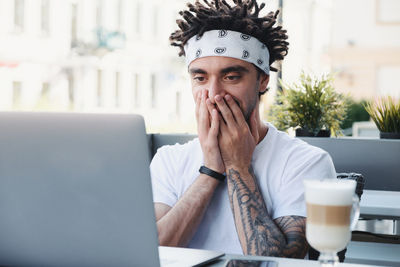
point(237, 139)
point(227, 140)
point(208, 128)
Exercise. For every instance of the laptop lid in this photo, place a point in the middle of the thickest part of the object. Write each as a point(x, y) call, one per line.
point(75, 191)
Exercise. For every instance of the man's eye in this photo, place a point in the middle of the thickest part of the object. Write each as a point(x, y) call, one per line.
point(198, 78)
point(232, 77)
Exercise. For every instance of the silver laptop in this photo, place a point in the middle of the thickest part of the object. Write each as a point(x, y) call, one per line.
point(75, 191)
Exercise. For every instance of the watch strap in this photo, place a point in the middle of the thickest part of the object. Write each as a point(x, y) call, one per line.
point(216, 175)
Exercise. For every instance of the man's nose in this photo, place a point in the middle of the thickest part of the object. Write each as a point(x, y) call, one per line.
point(215, 88)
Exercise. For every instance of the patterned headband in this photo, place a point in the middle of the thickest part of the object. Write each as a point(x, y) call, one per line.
point(226, 43)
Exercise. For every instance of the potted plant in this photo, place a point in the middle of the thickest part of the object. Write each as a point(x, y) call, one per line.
point(386, 115)
point(311, 106)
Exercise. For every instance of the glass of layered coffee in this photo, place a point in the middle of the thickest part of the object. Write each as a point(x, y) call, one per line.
point(332, 212)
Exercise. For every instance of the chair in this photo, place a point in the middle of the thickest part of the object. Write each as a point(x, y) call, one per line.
point(314, 254)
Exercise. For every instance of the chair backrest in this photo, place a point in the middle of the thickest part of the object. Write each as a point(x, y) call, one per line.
point(376, 159)
point(159, 140)
point(359, 178)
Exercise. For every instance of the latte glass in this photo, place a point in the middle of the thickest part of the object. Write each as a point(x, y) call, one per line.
point(332, 213)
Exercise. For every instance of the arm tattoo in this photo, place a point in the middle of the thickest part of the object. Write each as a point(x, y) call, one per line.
point(294, 229)
point(258, 233)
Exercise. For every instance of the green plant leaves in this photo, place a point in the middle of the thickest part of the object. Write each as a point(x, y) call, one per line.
point(311, 104)
point(386, 114)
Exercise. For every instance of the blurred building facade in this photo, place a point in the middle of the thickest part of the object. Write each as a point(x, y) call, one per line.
point(93, 56)
point(357, 40)
point(114, 55)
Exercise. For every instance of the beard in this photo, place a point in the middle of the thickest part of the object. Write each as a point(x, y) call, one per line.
point(248, 110)
point(251, 106)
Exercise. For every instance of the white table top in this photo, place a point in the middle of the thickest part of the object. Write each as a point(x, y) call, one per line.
point(380, 204)
point(282, 262)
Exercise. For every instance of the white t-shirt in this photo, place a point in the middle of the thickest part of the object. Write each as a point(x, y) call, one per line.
point(280, 164)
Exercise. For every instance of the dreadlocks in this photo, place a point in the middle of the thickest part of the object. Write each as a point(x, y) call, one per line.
point(241, 17)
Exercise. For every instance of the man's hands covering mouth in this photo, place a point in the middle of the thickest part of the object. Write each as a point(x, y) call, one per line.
point(226, 139)
point(208, 121)
point(237, 139)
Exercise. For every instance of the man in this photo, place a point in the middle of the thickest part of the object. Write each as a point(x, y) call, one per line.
point(259, 208)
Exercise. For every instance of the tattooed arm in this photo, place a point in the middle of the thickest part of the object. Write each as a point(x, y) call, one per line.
point(258, 233)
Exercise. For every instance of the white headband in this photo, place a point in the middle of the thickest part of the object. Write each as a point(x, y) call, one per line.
point(225, 43)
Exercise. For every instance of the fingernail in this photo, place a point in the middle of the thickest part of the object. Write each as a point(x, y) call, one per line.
point(228, 97)
point(218, 98)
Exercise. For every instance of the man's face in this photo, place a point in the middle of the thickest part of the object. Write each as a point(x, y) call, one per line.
point(225, 75)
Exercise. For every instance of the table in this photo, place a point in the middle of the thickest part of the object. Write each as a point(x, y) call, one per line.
point(380, 204)
point(374, 204)
point(282, 262)
point(383, 207)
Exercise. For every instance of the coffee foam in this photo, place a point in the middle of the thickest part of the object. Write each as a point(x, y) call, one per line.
point(332, 192)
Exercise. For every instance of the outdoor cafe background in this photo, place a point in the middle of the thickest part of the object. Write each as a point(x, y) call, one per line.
point(114, 55)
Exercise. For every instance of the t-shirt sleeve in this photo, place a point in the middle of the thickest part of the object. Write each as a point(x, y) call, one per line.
point(290, 198)
point(162, 178)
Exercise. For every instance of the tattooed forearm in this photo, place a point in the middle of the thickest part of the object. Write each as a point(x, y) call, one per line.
point(251, 218)
point(293, 227)
point(258, 233)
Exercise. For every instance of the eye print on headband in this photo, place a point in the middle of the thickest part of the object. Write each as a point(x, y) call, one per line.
point(245, 37)
point(259, 62)
point(222, 33)
point(198, 37)
point(198, 53)
point(220, 50)
point(246, 54)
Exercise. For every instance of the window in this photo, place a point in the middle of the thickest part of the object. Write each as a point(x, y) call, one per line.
point(74, 24)
point(117, 88)
point(44, 94)
point(178, 104)
point(153, 86)
point(136, 93)
point(389, 81)
point(120, 16)
point(99, 13)
point(71, 92)
point(19, 13)
point(387, 12)
point(137, 13)
point(99, 88)
point(155, 22)
point(45, 17)
point(17, 86)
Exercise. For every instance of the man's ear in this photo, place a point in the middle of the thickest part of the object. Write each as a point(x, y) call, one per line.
point(264, 80)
